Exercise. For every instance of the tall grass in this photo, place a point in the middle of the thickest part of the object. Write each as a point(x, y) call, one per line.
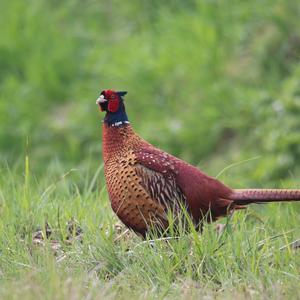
point(252, 257)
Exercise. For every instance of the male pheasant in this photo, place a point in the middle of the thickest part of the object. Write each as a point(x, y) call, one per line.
point(146, 184)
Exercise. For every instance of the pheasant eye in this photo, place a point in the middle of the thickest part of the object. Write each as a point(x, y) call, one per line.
point(112, 97)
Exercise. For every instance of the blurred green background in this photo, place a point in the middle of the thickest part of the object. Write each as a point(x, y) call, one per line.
point(214, 82)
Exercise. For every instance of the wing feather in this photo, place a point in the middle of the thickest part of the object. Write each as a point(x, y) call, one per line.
point(161, 188)
point(202, 193)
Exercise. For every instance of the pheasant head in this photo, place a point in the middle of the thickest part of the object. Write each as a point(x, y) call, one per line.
point(112, 103)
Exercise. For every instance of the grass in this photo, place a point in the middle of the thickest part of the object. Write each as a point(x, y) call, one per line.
point(252, 258)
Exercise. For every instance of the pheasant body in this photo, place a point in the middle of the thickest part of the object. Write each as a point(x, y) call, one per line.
point(129, 200)
point(145, 184)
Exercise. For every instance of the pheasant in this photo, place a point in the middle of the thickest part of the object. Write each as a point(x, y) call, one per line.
point(146, 185)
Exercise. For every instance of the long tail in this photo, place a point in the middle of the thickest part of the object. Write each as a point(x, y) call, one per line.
point(247, 196)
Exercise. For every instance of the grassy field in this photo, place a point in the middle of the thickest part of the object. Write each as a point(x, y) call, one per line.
point(216, 83)
point(94, 257)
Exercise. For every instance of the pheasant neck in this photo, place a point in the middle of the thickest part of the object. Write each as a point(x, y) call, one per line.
point(118, 140)
point(116, 119)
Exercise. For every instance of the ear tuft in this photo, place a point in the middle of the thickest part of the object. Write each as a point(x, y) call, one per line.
point(122, 93)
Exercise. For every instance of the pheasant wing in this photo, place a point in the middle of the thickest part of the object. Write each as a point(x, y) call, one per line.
point(187, 183)
point(157, 171)
point(161, 187)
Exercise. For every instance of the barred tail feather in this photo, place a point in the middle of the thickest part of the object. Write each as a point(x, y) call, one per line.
point(247, 196)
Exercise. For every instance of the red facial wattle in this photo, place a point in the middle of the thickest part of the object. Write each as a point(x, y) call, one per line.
point(113, 100)
point(113, 105)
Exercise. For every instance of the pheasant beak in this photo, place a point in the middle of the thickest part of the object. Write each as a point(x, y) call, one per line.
point(101, 100)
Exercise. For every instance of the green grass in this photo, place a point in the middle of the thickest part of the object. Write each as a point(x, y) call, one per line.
point(248, 260)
